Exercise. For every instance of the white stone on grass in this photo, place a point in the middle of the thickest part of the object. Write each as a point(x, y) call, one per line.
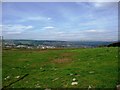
point(5, 78)
point(118, 87)
point(8, 77)
point(71, 74)
point(89, 87)
point(17, 77)
point(37, 86)
point(74, 83)
point(41, 68)
point(91, 72)
point(74, 79)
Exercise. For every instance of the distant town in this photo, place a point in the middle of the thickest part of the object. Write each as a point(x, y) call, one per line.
point(50, 44)
point(12, 45)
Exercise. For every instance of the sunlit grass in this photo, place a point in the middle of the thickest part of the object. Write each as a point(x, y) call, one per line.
point(95, 67)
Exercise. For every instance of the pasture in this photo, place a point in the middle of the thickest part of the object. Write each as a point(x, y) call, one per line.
point(89, 67)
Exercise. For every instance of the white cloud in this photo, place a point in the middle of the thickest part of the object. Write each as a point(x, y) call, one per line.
point(91, 30)
point(49, 18)
point(94, 31)
point(60, 0)
point(48, 27)
point(15, 29)
point(104, 4)
point(98, 4)
point(93, 34)
point(38, 18)
point(103, 0)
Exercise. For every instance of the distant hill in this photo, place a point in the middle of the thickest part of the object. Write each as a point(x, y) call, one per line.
point(116, 44)
point(70, 44)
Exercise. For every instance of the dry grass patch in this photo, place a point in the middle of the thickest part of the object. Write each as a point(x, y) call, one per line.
point(62, 60)
point(23, 59)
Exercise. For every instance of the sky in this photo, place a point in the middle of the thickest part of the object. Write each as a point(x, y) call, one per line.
point(66, 21)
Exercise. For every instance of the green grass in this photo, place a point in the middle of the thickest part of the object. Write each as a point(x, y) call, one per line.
point(97, 67)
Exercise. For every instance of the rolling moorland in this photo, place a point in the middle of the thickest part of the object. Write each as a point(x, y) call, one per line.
point(60, 68)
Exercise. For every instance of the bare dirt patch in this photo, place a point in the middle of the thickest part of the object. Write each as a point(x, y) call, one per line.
point(65, 57)
point(62, 60)
point(23, 59)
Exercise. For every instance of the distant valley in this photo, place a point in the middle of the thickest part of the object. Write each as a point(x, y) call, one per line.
point(53, 44)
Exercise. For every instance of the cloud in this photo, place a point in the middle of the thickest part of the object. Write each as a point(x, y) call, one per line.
point(108, 0)
point(102, 1)
point(48, 27)
point(98, 4)
point(94, 31)
point(38, 18)
point(51, 30)
point(49, 18)
point(62, 21)
point(15, 29)
point(92, 34)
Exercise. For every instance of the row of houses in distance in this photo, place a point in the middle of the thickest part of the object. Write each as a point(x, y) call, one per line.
point(28, 46)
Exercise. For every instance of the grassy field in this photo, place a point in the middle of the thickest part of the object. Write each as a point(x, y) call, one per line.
point(95, 67)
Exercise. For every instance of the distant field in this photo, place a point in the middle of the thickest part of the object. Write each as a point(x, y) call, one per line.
point(95, 67)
